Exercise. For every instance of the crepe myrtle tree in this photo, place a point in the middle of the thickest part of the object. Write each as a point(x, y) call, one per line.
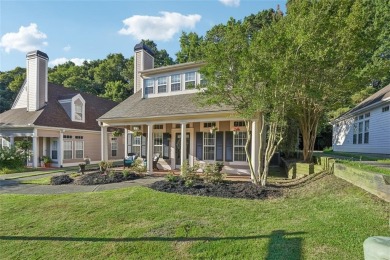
point(233, 80)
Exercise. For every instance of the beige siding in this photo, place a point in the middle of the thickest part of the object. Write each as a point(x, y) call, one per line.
point(32, 84)
point(21, 100)
point(224, 126)
point(148, 61)
point(48, 133)
point(120, 151)
point(137, 77)
point(197, 127)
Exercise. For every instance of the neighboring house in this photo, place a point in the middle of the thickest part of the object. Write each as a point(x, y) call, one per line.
point(60, 122)
point(366, 127)
point(170, 123)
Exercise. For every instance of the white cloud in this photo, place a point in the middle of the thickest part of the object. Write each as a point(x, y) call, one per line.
point(76, 61)
point(67, 48)
point(162, 27)
point(26, 39)
point(234, 3)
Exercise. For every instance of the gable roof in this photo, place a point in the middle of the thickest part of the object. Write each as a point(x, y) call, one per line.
point(53, 115)
point(137, 107)
point(377, 98)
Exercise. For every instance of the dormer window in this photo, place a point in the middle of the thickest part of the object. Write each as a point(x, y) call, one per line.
point(162, 84)
point(190, 80)
point(78, 109)
point(175, 82)
point(149, 85)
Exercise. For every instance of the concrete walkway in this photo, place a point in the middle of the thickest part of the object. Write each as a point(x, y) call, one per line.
point(10, 184)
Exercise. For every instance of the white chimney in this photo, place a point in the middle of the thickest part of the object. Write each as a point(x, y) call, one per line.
point(143, 60)
point(36, 80)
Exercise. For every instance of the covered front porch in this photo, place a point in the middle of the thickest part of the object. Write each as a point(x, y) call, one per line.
point(209, 139)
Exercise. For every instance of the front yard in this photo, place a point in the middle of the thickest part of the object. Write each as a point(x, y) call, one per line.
point(326, 219)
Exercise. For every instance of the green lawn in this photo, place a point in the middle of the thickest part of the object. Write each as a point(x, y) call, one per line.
point(328, 219)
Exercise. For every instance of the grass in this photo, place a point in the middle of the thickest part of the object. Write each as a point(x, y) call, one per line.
point(34, 174)
point(17, 170)
point(366, 167)
point(357, 156)
point(40, 181)
point(328, 219)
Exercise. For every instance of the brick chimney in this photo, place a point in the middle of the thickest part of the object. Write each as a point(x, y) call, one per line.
point(36, 80)
point(143, 60)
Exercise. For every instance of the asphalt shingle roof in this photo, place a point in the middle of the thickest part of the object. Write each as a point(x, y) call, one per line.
point(137, 107)
point(53, 114)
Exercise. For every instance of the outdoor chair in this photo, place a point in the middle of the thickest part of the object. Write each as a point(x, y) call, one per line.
point(155, 160)
point(128, 161)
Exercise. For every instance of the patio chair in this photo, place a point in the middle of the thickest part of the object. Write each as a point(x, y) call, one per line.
point(128, 161)
point(155, 160)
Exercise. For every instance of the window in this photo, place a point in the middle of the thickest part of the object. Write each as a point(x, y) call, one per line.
point(54, 152)
point(68, 137)
point(361, 117)
point(190, 80)
point(149, 86)
point(136, 145)
point(238, 123)
point(78, 112)
point(203, 81)
point(158, 127)
point(239, 141)
point(175, 82)
point(162, 84)
point(208, 146)
point(158, 143)
point(79, 137)
point(355, 133)
point(360, 133)
point(366, 131)
point(79, 149)
point(385, 109)
point(367, 115)
point(208, 124)
point(68, 150)
point(114, 146)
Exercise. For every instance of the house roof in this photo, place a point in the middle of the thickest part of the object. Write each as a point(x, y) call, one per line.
point(378, 97)
point(137, 107)
point(53, 114)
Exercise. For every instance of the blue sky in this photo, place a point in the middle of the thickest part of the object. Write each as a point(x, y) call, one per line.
point(89, 30)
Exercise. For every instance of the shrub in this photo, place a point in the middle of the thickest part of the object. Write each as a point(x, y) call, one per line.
point(171, 177)
point(115, 176)
point(188, 172)
point(12, 157)
point(128, 175)
point(74, 175)
point(212, 173)
point(138, 166)
point(60, 179)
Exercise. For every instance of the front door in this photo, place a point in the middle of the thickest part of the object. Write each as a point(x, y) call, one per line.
point(54, 149)
point(178, 148)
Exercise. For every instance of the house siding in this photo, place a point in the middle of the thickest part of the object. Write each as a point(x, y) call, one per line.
point(32, 81)
point(21, 101)
point(379, 134)
point(42, 83)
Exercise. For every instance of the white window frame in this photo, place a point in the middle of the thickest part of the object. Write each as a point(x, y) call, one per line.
point(366, 132)
point(242, 146)
point(207, 136)
point(76, 150)
point(188, 80)
point(385, 109)
point(136, 144)
point(157, 137)
point(68, 150)
point(114, 147)
point(149, 84)
point(175, 82)
point(81, 99)
point(162, 82)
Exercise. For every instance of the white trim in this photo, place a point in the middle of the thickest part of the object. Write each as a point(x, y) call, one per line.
point(74, 99)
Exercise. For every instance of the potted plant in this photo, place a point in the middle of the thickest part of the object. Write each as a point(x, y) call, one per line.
point(47, 161)
point(117, 133)
point(213, 129)
point(236, 130)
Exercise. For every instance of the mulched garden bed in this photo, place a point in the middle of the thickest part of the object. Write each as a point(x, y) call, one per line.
point(225, 189)
point(94, 178)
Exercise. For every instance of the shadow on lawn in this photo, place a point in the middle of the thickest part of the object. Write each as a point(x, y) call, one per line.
point(280, 246)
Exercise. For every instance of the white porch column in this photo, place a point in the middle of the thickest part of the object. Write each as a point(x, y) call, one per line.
point(103, 143)
point(60, 149)
point(11, 140)
point(35, 151)
point(149, 153)
point(183, 143)
point(126, 133)
point(255, 144)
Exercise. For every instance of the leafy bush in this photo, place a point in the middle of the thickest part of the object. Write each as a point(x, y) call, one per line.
point(138, 166)
point(5, 171)
point(171, 177)
point(12, 158)
point(61, 179)
point(212, 173)
point(74, 175)
point(188, 172)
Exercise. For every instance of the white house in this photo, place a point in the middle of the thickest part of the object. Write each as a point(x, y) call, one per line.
point(366, 127)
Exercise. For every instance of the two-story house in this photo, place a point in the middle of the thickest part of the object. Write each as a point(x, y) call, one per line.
point(60, 122)
point(162, 117)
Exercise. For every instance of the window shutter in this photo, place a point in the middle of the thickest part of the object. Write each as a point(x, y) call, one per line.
point(143, 145)
point(229, 146)
point(199, 146)
point(166, 137)
point(219, 146)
